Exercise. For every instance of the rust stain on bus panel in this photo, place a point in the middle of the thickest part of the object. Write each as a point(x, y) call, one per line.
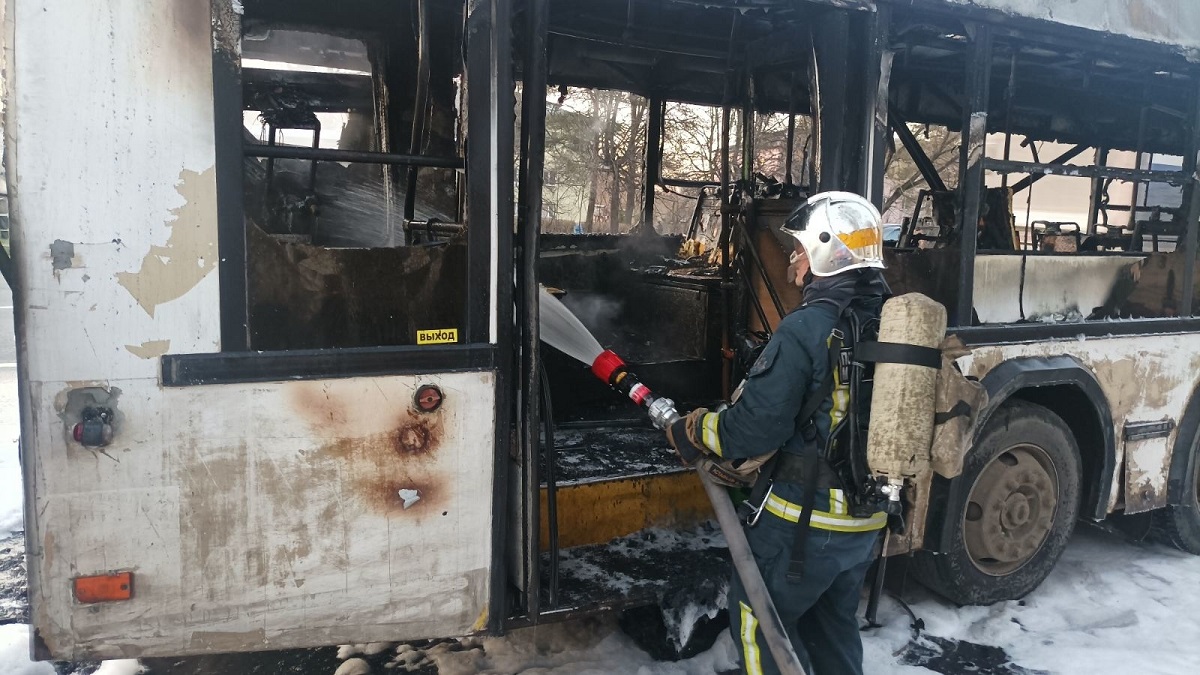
point(394, 471)
point(169, 271)
point(1153, 16)
point(380, 466)
point(324, 413)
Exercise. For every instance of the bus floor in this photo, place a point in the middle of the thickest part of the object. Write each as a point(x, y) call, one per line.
point(635, 533)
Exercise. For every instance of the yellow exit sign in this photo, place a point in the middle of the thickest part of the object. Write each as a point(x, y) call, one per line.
point(437, 336)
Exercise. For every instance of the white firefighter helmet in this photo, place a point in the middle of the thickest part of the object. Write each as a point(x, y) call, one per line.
point(839, 231)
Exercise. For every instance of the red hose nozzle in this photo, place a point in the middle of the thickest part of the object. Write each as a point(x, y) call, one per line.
point(607, 366)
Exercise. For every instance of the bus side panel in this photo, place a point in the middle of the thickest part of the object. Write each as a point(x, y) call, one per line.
point(251, 516)
point(110, 126)
point(1146, 378)
point(268, 516)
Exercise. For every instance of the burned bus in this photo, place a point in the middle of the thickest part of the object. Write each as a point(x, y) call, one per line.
point(276, 268)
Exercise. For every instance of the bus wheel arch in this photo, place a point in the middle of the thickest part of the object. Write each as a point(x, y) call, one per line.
point(1069, 389)
point(1046, 434)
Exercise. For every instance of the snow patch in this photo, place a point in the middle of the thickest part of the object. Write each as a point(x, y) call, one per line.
point(121, 667)
point(14, 653)
point(354, 667)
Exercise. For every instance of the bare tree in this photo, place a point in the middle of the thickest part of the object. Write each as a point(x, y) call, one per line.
point(941, 146)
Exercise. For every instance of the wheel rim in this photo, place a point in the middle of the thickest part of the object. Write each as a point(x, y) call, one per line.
point(1010, 509)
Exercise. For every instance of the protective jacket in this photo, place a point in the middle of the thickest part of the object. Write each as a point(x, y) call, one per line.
point(792, 368)
point(818, 608)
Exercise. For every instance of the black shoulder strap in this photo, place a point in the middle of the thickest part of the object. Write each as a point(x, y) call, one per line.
point(811, 458)
point(803, 426)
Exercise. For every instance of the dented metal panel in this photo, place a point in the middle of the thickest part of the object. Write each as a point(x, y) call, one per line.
point(1147, 377)
point(1169, 22)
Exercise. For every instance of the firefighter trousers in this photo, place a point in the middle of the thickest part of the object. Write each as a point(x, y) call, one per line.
point(819, 611)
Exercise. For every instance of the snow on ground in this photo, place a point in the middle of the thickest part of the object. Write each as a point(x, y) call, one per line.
point(1111, 606)
point(10, 467)
point(14, 657)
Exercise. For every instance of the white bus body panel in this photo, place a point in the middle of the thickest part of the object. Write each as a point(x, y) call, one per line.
point(1145, 378)
point(255, 516)
point(1170, 22)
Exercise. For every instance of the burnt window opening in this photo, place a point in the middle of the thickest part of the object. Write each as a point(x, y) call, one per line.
point(353, 190)
point(1080, 248)
point(921, 161)
point(1079, 212)
point(687, 200)
point(595, 161)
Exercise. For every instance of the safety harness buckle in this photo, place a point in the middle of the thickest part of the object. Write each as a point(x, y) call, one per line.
point(755, 512)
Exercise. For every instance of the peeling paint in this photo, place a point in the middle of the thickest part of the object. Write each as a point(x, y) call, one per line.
point(149, 350)
point(410, 497)
point(170, 271)
point(62, 254)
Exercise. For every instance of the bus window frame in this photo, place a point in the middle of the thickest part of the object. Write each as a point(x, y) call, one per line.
point(974, 166)
point(485, 335)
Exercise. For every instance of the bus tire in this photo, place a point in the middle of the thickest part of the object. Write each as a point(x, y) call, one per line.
point(1008, 516)
point(1178, 525)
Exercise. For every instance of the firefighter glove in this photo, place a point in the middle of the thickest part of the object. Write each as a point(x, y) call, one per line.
point(684, 437)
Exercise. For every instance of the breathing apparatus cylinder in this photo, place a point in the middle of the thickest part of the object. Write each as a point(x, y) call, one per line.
point(612, 371)
point(903, 396)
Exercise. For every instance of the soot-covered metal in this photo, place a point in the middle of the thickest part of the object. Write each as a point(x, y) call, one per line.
point(304, 296)
point(623, 290)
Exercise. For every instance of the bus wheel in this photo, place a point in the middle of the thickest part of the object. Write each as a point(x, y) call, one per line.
point(1179, 525)
point(1008, 516)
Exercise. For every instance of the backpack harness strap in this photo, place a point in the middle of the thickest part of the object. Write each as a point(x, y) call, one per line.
point(811, 458)
point(808, 466)
point(767, 475)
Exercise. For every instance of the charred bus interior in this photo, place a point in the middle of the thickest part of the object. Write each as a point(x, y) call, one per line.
point(357, 230)
point(353, 183)
point(1068, 165)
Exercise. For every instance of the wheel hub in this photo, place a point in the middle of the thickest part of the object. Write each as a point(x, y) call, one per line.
point(1010, 510)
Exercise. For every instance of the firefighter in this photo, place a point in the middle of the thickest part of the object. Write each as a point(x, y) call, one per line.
point(814, 573)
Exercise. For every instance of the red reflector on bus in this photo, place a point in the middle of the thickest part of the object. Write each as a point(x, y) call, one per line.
point(104, 587)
